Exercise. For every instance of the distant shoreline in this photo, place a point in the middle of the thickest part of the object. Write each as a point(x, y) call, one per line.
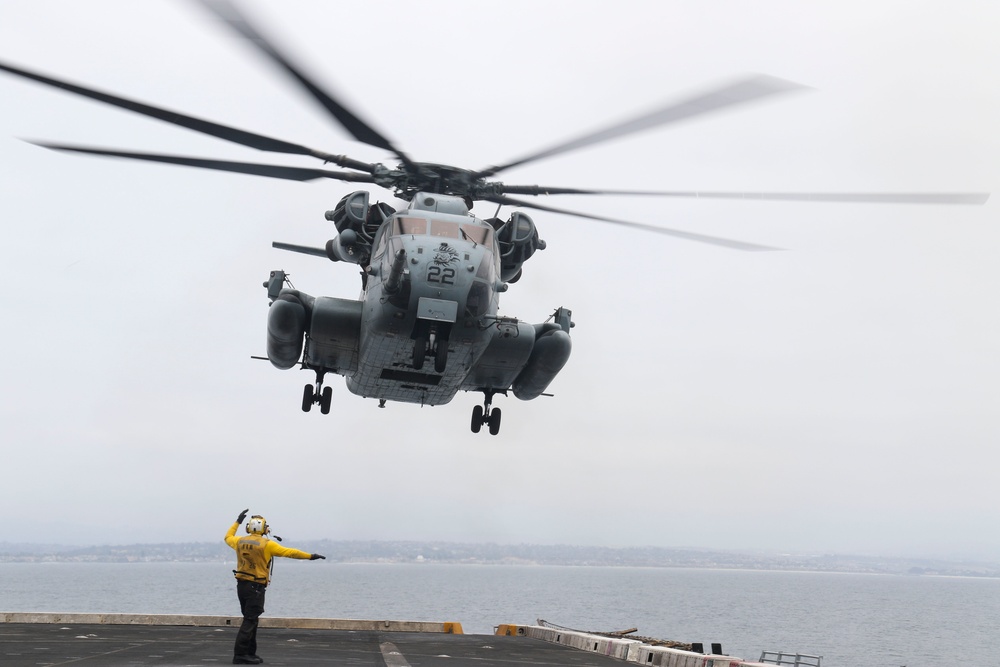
point(522, 555)
point(931, 575)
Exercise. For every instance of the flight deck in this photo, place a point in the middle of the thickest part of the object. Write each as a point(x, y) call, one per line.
point(130, 640)
point(120, 645)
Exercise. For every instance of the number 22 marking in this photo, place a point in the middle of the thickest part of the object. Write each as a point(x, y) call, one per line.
point(438, 274)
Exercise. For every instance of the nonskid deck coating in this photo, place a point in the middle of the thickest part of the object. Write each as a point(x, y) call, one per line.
point(50, 644)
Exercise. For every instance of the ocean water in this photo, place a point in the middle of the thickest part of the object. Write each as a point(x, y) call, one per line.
point(852, 620)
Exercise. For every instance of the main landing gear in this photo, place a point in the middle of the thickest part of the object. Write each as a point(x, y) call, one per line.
point(482, 414)
point(317, 395)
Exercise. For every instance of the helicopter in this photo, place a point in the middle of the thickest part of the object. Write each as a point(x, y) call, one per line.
point(427, 324)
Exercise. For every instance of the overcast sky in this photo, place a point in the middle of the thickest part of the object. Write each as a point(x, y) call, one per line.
point(839, 396)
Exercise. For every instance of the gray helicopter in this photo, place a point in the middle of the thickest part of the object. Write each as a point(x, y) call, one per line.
point(427, 324)
point(431, 280)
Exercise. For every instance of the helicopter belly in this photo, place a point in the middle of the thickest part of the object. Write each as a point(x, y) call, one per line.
point(385, 371)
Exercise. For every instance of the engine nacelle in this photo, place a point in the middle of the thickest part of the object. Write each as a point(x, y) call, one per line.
point(357, 223)
point(517, 240)
point(353, 212)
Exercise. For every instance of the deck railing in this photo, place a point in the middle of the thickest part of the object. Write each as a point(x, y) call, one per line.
point(790, 659)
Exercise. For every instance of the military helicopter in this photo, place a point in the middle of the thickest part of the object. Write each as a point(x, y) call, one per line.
point(427, 324)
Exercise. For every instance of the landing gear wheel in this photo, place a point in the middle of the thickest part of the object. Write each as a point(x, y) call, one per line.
point(477, 418)
point(307, 398)
point(324, 402)
point(419, 351)
point(483, 414)
point(494, 421)
point(441, 356)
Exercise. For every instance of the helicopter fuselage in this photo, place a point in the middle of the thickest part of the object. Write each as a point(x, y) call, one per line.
point(440, 300)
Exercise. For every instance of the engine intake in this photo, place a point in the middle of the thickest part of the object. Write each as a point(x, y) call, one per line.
point(357, 223)
point(517, 240)
point(353, 212)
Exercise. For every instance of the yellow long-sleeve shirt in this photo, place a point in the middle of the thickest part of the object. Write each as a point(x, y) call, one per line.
point(254, 554)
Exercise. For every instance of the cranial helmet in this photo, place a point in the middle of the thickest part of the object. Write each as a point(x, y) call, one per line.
point(257, 525)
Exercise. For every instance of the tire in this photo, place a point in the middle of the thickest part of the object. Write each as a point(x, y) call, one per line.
point(477, 418)
point(326, 400)
point(494, 421)
point(441, 356)
point(307, 398)
point(419, 351)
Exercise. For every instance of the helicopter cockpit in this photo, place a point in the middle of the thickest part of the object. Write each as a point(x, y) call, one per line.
point(403, 226)
point(442, 251)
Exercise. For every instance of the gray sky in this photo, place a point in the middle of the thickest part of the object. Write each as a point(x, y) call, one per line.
point(839, 396)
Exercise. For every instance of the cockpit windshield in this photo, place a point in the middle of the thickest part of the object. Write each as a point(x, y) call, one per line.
point(478, 234)
point(402, 226)
point(445, 228)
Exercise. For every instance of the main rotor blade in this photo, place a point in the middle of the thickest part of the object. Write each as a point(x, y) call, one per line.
point(739, 92)
point(846, 197)
point(358, 128)
point(251, 139)
point(269, 170)
point(689, 236)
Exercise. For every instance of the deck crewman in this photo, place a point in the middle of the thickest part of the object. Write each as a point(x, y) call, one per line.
point(254, 552)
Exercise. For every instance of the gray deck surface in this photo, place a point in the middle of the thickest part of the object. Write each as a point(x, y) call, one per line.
point(42, 644)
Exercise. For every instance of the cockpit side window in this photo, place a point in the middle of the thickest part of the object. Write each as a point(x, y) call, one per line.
point(380, 240)
point(395, 245)
point(487, 269)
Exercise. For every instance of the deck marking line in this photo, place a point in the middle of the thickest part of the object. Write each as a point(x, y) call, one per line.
point(392, 656)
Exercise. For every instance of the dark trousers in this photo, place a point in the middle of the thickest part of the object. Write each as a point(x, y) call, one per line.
point(252, 605)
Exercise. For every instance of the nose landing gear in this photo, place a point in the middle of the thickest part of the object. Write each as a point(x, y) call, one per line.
point(317, 395)
point(431, 338)
point(483, 415)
